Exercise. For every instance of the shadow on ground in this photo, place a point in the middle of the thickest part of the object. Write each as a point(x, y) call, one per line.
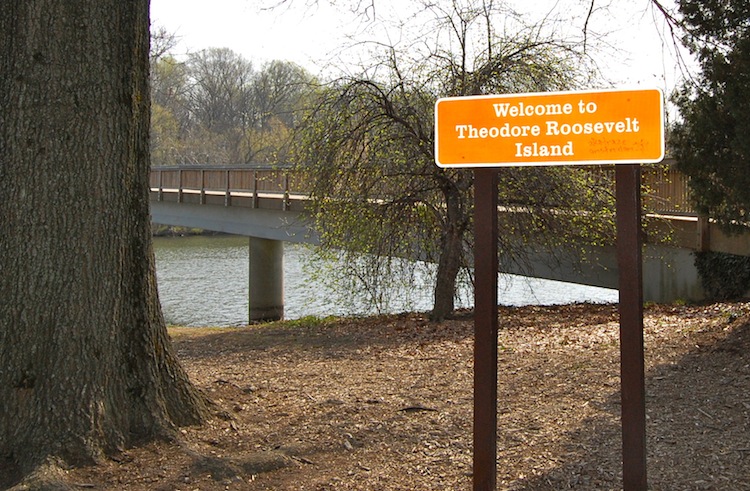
point(696, 438)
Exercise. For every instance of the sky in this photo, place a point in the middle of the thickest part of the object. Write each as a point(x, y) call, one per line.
point(312, 32)
point(302, 32)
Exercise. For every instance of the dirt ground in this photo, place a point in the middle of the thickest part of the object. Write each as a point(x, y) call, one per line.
point(386, 404)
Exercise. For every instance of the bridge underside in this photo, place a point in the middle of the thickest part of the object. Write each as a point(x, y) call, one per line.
point(669, 273)
point(272, 222)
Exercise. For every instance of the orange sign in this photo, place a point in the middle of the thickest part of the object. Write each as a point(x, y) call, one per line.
point(581, 127)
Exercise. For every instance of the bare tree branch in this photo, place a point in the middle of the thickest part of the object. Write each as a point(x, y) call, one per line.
point(586, 25)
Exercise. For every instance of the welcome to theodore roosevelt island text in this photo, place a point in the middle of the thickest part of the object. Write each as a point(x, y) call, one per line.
point(548, 128)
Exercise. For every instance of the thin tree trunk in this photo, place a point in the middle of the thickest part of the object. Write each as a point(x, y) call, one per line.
point(447, 274)
point(87, 367)
point(451, 256)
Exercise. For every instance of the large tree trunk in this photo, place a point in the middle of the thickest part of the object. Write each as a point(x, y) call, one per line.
point(86, 364)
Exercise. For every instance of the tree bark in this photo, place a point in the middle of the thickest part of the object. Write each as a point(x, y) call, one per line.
point(451, 255)
point(87, 366)
point(447, 273)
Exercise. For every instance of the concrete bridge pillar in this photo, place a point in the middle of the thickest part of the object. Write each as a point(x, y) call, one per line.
point(266, 297)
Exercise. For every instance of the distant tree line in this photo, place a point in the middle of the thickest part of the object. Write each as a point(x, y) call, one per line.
point(215, 107)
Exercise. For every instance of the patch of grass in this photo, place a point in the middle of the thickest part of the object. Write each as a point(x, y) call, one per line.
point(305, 322)
point(191, 332)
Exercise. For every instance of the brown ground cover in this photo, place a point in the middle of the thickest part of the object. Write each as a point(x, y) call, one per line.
point(386, 404)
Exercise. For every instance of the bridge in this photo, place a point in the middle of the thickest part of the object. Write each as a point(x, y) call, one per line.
point(267, 204)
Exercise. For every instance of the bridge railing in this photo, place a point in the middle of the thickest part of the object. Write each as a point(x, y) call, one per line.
point(222, 178)
point(665, 189)
point(250, 181)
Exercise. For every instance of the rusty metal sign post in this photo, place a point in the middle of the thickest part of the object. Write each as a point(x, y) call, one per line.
point(564, 128)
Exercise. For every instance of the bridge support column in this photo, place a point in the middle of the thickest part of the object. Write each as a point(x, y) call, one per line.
point(266, 297)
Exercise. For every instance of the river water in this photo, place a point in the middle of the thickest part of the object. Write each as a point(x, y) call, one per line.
point(203, 281)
